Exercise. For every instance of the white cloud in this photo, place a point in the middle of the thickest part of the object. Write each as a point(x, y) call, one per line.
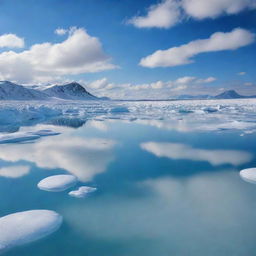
point(98, 84)
point(185, 79)
point(162, 15)
point(167, 13)
point(183, 151)
point(11, 41)
point(103, 87)
point(60, 31)
point(79, 53)
point(201, 9)
point(183, 54)
point(241, 73)
point(206, 80)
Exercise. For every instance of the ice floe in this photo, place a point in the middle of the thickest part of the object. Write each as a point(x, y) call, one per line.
point(17, 137)
point(28, 226)
point(25, 136)
point(82, 191)
point(57, 183)
point(249, 175)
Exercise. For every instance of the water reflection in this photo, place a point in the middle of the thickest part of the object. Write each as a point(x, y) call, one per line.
point(83, 157)
point(15, 171)
point(183, 151)
point(174, 217)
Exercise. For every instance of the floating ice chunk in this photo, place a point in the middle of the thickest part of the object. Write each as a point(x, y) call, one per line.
point(119, 109)
point(57, 183)
point(249, 175)
point(17, 137)
point(14, 171)
point(25, 227)
point(210, 109)
point(45, 133)
point(82, 191)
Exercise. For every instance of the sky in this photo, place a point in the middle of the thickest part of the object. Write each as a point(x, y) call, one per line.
point(130, 49)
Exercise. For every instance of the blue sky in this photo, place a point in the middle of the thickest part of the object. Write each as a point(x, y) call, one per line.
point(112, 37)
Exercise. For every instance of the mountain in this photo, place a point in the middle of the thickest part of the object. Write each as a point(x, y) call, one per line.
point(230, 94)
point(193, 97)
point(71, 91)
point(11, 91)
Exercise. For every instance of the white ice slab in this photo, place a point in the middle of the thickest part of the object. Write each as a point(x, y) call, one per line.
point(25, 227)
point(82, 191)
point(249, 175)
point(17, 137)
point(57, 183)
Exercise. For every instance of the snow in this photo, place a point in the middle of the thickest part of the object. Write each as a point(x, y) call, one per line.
point(28, 226)
point(249, 175)
point(82, 191)
point(57, 183)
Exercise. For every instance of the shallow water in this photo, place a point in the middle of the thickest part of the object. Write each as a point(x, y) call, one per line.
point(165, 186)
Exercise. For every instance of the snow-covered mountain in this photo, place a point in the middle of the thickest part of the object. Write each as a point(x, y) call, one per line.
point(73, 91)
point(11, 91)
point(230, 94)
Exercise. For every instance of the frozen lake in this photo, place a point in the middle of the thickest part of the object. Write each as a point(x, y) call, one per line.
point(162, 177)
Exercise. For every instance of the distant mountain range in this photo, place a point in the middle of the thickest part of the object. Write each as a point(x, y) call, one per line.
point(75, 91)
point(71, 91)
point(230, 94)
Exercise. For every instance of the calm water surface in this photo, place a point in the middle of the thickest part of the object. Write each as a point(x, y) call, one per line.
point(161, 190)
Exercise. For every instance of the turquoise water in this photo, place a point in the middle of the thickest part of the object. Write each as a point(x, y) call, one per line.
point(160, 191)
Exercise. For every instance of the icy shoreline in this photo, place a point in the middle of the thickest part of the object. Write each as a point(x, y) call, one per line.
point(226, 114)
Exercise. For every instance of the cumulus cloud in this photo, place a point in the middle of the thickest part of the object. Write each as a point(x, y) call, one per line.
point(60, 31)
point(162, 15)
point(183, 54)
point(241, 73)
point(11, 41)
point(167, 13)
point(103, 87)
point(201, 9)
point(79, 53)
point(183, 151)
